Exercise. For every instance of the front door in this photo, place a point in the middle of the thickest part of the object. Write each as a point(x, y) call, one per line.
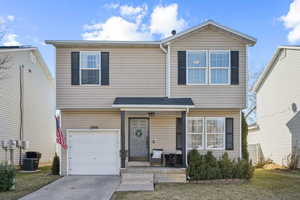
point(138, 139)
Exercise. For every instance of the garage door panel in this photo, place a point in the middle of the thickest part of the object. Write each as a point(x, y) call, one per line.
point(93, 153)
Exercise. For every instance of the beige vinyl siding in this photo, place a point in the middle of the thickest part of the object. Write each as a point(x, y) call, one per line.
point(210, 96)
point(162, 127)
point(277, 122)
point(235, 114)
point(9, 101)
point(39, 106)
point(163, 133)
point(133, 72)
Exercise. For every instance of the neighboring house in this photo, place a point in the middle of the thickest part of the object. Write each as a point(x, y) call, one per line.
point(26, 73)
point(277, 129)
point(119, 100)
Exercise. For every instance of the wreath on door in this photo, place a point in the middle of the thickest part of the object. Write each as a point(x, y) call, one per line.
point(138, 133)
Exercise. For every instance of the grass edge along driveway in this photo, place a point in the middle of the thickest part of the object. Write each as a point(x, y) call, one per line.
point(266, 184)
point(29, 182)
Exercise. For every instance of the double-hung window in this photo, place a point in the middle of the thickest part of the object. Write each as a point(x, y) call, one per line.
point(219, 67)
point(90, 67)
point(208, 67)
point(215, 132)
point(206, 133)
point(195, 134)
point(197, 67)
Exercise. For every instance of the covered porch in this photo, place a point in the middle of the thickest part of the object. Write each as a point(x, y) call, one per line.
point(153, 133)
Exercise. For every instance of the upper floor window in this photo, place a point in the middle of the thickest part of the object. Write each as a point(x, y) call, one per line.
point(197, 67)
point(219, 67)
point(90, 67)
point(208, 67)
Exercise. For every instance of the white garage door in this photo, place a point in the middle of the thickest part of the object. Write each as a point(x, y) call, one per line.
point(93, 152)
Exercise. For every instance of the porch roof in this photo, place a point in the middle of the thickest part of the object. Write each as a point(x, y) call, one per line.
point(164, 102)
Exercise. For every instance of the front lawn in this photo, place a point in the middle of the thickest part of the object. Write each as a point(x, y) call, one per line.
point(266, 184)
point(29, 182)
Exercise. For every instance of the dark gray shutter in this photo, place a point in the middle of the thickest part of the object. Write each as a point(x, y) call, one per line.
point(234, 57)
point(229, 134)
point(104, 68)
point(75, 68)
point(181, 55)
point(178, 133)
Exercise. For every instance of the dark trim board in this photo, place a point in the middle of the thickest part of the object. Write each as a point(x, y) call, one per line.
point(148, 138)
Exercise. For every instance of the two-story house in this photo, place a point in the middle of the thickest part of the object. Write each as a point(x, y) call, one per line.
point(276, 134)
point(119, 100)
point(27, 103)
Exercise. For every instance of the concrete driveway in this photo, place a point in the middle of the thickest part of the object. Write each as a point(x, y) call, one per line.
point(77, 188)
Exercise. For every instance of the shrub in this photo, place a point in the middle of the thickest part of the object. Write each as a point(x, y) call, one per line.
point(245, 153)
point(206, 167)
point(226, 166)
point(55, 165)
point(7, 177)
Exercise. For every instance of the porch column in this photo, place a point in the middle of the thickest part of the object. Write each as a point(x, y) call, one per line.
point(183, 139)
point(123, 152)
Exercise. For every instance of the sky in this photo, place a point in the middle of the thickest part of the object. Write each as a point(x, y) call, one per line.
point(31, 22)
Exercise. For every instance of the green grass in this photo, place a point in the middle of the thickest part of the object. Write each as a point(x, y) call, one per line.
point(29, 182)
point(266, 184)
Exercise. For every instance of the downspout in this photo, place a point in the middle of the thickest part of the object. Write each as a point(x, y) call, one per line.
point(21, 104)
point(167, 74)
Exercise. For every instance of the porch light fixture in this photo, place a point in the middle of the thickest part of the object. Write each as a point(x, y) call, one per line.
point(151, 114)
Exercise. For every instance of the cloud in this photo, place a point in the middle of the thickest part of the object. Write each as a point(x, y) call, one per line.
point(132, 24)
point(292, 21)
point(111, 5)
point(10, 39)
point(126, 10)
point(10, 18)
point(115, 28)
point(165, 19)
point(7, 37)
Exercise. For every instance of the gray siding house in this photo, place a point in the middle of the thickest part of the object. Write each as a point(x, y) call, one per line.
point(27, 111)
point(120, 100)
point(277, 129)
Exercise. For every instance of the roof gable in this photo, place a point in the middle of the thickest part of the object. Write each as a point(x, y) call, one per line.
point(268, 69)
point(250, 40)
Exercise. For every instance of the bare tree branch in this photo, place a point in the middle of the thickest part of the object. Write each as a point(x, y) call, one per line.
point(251, 98)
point(4, 60)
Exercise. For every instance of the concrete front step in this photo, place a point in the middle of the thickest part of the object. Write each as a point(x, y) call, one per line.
point(161, 174)
point(138, 164)
point(136, 182)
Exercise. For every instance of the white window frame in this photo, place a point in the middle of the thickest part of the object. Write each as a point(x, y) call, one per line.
point(227, 68)
point(206, 134)
point(206, 68)
point(86, 68)
point(203, 131)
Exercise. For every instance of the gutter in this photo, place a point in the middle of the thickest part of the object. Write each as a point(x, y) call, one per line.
point(167, 69)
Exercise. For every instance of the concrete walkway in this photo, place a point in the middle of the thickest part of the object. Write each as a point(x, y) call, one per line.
point(77, 188)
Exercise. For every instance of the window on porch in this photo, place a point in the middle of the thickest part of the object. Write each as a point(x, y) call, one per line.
point(213, 128)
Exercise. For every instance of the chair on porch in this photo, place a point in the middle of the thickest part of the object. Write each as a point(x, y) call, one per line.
point(157, 157)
